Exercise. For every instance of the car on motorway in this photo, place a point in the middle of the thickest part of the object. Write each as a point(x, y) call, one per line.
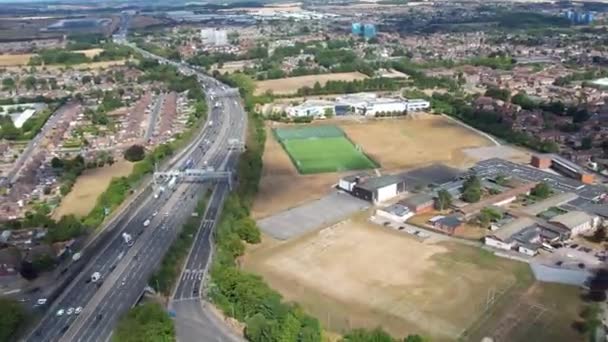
point(69, 311)
point(95, 276)
point(78, 310)
point(41, 301)
point(146, 222)
point(155, 213)
point(60, 312)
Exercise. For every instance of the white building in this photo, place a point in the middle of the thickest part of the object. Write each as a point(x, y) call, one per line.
point(414, 105)
point(396, 213)
point(313, 108)
point(385, 106)
point(214, 37)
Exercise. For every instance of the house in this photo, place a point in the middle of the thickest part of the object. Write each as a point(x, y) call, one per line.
point(419, 203)
point(576, 222)
point(396, 212)
point(10, 261)
point(450, 224)
point(373, 189)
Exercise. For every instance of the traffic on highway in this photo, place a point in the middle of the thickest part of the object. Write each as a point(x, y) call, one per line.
point(115, 275)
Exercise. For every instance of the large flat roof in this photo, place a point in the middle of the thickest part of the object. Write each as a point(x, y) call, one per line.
point(494, 166)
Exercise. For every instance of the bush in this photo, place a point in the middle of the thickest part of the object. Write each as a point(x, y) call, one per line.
point(147, 322)
point(135, 153)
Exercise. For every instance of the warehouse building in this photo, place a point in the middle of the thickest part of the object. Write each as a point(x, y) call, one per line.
point(563, 166)
point(526, 236)
point(373, 189)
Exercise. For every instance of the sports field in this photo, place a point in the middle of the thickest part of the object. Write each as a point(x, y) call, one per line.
point(321, 149)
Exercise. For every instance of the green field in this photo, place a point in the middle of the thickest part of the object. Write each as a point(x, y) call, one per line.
point(322, 149)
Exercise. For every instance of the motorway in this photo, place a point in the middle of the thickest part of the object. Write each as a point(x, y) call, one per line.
point(125, 270)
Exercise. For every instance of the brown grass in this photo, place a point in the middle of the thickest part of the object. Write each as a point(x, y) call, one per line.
point(401, 144)
point(15, 60)
point(24, 59)
point(356, 274)
point(290, 85)
point(88, 187)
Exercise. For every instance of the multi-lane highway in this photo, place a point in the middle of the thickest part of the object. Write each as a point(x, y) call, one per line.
point(125, 270)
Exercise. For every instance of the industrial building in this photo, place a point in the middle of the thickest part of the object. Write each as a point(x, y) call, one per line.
point(373, 189)
point(214, 37)
point(526, 236)
point(576, 222)
point(563, 166)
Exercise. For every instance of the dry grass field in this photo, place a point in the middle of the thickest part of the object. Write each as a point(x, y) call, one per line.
point(15, 60)
point(24, 59)
point(356, 274)
point(407, 143)
point(88, 187)
point(290, 85)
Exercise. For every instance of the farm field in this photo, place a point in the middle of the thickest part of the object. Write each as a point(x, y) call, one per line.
point(318, 149)
point(437, 290)
point(88, 187)
point(291, 85)
point(407, 143)
point(24, 59)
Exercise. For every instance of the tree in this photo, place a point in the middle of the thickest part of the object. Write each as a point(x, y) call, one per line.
point(56, 163)
point(542, 190)
point(8, 83)
point(586, 143)
point(444, 199)
point(12, 316)
point(146, 322)
point(471, 189)
point(135, 153)
point(487, 216)
point(328, 113)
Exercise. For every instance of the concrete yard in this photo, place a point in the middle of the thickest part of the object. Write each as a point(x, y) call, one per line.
point(294, 222)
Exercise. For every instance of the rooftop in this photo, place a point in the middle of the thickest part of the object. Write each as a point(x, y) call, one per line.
point(397, 209)
point(553, 201)
point(506, 232)
point(572, 219)
point(417, 200)
point(375, 183)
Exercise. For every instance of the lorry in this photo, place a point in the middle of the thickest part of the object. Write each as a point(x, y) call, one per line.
point(95, 277)
point(127, 239)
point(146, 222)
point(172, 182)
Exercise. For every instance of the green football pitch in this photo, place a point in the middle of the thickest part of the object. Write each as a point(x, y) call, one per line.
point(327, 154)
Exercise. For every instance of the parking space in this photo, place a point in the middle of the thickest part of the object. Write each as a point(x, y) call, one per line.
point(316, 214)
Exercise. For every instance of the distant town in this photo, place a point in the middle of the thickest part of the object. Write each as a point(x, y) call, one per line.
point(381, 170)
